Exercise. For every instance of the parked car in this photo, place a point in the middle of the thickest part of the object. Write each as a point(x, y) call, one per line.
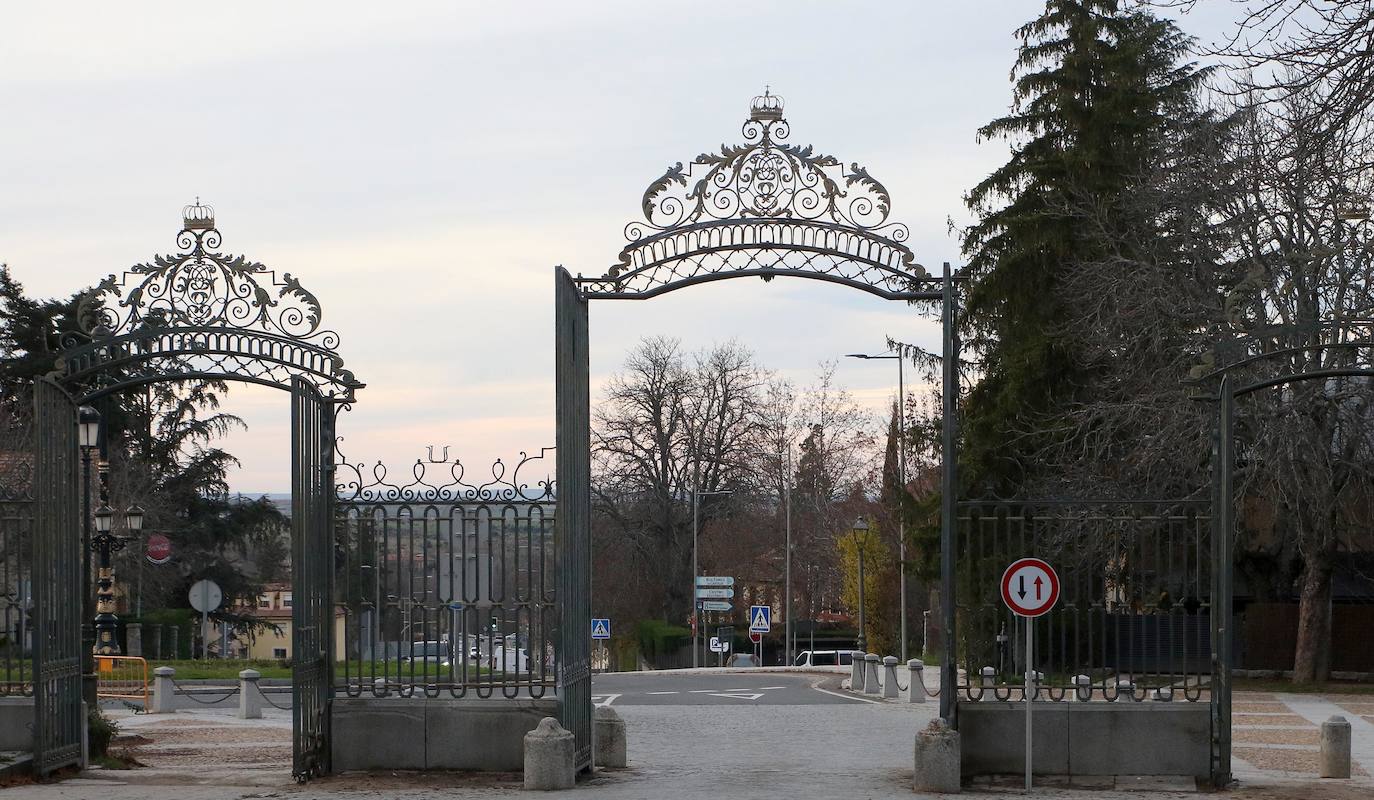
point(425, 652)
point(823, 658)
point(744, 660)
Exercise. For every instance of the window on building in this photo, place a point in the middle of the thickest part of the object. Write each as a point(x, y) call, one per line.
point(286, 602)
point(264, 602)
point(279, 652)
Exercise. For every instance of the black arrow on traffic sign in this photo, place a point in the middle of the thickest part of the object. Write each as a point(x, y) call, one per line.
point(1037, 587)
point(1021, 592)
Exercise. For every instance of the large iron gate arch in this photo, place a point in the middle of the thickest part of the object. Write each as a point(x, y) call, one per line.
point(204, 314)
point(764, 208)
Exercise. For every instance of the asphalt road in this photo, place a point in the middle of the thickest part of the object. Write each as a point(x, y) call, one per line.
point(671, 688)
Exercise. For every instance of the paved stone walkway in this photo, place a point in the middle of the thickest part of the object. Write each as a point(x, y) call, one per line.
point(1275, 736)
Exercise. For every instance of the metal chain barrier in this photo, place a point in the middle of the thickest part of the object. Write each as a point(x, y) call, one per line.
point(183, 691)
point(269, 702)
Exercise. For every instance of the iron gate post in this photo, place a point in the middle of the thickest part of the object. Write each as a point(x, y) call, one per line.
point(948, 488)
point(572, 523)
point(1224, 498)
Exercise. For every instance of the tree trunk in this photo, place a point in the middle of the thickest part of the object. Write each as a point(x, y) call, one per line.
point(1312, 659)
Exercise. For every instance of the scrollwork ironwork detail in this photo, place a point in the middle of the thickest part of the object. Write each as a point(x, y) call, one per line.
point(442, 481)
point(201, 287)
point(764, 207)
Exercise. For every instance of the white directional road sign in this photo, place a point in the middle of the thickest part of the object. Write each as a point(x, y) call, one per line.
point(716, 605)
point(601, 629)
point(717, 646)
point(1030, 587)
point(714, 580)
point(760, 619)
point(722, 594)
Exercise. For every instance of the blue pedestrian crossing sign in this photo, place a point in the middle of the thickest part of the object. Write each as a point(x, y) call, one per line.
point(760, 619)
point(601, 629)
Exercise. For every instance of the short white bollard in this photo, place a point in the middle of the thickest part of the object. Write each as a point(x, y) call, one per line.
point(871, 685)
point(549, 757)
point(379, 688)
point(856, 671)
point(250, 696)
point(1335, 748)
point(1037, 680)
point(937, 759)
point(988, 678)
point(890, 676)
point(1083, 687)
point(610, 738)
point(163, 690)
point(916, 681)
point(1125, 689)
point(1162, 694)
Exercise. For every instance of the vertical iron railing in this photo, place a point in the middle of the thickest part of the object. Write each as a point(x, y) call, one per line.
point(16, 591)
point(447, 586)
point(573, 526)
point(1222, 590)
point(312, 561)
point(58, 723)
point(1137, 600)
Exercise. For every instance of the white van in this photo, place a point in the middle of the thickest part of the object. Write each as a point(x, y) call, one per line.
point(824, 658)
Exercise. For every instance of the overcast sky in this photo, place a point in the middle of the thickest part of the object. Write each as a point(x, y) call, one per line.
point(422, 166)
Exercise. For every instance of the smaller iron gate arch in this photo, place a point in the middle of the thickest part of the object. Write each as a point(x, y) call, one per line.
point(765, 208)
point(201, 314)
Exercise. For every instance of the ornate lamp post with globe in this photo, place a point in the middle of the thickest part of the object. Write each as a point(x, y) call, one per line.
point(104, 543)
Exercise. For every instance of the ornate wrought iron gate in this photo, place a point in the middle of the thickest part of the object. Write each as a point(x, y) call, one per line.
point(56, 581)
point(572, 526)
point(312, 561)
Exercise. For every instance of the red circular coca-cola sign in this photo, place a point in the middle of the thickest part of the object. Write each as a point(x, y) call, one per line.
point(159, 549)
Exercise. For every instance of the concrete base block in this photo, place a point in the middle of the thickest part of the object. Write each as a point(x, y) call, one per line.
point(937, 759)
point(250, 697)
point(436, 733)
point(164, 693)
point(1080, 739)
point(549, 757)
point(16, 723)
point(1335, 748)
point(609, 738)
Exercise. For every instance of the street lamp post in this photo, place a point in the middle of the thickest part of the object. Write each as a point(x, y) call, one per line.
point(901, 479)
point(106, 542)
point(697, 494)
point(784, 468)
point(860, 541)
point(88, 436)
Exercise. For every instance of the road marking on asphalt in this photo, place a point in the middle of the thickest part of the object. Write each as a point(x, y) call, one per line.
point(766, 688)
point(750, 696)
point(713, 691)
point(603, 699)
point(660, 692)
point(846, 696)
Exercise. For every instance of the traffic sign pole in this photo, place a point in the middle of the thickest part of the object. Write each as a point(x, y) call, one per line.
point(1030, 674)
point(1030, 588)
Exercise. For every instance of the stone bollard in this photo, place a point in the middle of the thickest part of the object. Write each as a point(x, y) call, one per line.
point(1037, 680)
point(1125, 689)
point(379, 688)
point(250, 696)
point(1335, 748)
point(549, 757)
point(1083, 687)
point(163, 690)
point(989, 679)
point(871, 685)
point(915, 681)
point(1162, 694)
point(889, 676)
point(937, 758)
point(856, 671)
point(610, 738)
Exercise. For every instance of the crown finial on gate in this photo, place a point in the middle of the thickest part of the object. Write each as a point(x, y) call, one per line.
point(198, 217)
point(766, 107)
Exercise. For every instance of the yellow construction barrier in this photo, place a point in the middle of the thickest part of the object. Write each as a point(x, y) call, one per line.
point(122, 677)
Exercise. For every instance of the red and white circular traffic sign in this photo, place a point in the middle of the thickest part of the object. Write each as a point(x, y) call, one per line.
point(159, 549)
point(755, 637)
point(1030, 587)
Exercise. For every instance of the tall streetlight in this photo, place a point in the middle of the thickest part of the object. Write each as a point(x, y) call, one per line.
point(697, 494)
point(784, 467)
point(106, 542)
point(901, 479)
point(860, 534)
point(88, 436)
